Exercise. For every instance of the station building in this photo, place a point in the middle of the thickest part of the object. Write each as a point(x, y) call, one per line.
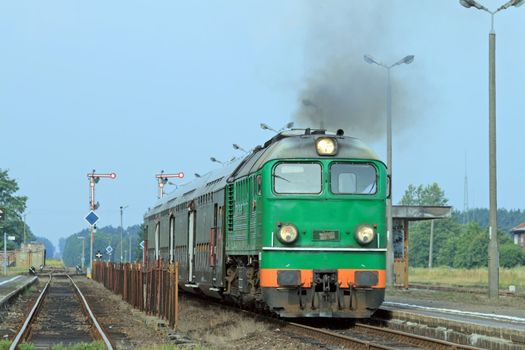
point(518, 234)
point(402, 215)
point(29, 254)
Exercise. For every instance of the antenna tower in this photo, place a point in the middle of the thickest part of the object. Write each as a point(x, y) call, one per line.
point(466, 218)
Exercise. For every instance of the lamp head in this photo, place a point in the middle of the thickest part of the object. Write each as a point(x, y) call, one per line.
point(369, 59)
point(515, 3)
point(408, 59)
point(472, 3)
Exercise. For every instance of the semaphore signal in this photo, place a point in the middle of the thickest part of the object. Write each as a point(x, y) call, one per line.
point(162, 179)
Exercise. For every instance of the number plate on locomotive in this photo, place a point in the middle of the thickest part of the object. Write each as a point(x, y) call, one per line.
point(326, 236)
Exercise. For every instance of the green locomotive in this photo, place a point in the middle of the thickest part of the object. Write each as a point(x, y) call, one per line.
point(297, 227)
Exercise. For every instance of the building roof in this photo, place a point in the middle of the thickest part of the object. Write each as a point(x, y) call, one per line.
point(519, 229)
point(420, 212)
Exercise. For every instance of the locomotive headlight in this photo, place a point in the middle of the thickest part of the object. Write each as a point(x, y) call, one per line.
point(287, 234)
point(365, 234)
point(326, 146)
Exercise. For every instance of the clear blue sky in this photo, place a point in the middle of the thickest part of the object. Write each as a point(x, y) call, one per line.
point(139, 86)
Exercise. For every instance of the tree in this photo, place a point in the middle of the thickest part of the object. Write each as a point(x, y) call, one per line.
point(14, 207)
point(420, 232)
point(429, 195)
point(105, 236)
point(50, 248)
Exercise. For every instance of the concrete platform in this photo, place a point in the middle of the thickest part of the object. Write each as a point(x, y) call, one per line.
point(10, 286)
point(484, 325)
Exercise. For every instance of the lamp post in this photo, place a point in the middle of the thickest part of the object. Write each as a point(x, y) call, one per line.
point(390, 246)
point(121, 231)
point(82, 258)
point(493, 254)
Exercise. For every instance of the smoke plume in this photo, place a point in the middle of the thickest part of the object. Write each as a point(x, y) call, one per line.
point(342, 90)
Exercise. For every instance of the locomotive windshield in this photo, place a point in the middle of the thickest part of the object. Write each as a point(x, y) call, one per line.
point(352, 178)
point(297, 178)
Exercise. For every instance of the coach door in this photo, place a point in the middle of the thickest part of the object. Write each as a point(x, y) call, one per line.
point(172, 239)
point(157, 241)
point(191, 244)
point(218, 257)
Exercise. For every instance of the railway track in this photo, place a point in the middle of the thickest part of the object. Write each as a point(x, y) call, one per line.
point(356, 335)
point(364, 336)
point(466, 290)
point(60, 315)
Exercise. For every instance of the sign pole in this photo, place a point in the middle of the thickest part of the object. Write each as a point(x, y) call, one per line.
point(92, 207)
point(5, 254)
point(92, 217)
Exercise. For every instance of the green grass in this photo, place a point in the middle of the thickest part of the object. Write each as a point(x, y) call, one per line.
point(4, 344)
point(54, 263)
point(81, 346)
point(465, 277)
point(171, 347)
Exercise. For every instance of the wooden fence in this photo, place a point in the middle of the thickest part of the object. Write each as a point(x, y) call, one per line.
point(152, 288)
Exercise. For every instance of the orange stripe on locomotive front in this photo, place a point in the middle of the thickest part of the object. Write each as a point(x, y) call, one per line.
point(345, 277)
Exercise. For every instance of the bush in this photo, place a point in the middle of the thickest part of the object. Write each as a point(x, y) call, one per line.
point(511, 255)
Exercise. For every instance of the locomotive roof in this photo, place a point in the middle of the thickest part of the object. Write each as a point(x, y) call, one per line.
point(299, 144)
point(285, 145)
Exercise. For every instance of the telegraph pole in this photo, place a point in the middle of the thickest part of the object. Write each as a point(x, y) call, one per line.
point(121, 231)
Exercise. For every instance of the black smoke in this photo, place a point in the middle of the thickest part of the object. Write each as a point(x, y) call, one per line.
point(342, 90)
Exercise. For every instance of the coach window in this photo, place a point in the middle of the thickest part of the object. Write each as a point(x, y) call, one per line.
point(353, 178)
point(298, 178)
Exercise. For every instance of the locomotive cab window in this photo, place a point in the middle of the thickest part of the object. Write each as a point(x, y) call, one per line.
point(302, 178)
point(353, 178)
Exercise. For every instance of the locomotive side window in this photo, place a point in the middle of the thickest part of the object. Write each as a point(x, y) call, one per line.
point(352, 178)
point(297, 178)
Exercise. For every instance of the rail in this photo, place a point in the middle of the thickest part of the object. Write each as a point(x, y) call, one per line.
point(391, 335)
point(26, 326)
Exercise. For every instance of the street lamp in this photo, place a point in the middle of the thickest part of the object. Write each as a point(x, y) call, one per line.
point(215, 160)
point(288, 125)
point(122, 231)
point(390, 246)
point(239, 148)
point(493, 255)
